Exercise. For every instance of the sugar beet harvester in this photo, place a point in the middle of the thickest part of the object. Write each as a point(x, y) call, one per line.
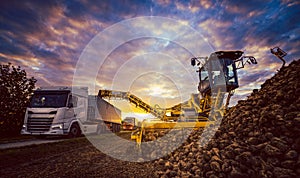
point(218, 78)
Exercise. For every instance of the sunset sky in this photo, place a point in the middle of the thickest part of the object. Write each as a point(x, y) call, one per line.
point(49, 38)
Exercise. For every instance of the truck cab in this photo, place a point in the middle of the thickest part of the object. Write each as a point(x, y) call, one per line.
point(129, 123)
point(52, 111)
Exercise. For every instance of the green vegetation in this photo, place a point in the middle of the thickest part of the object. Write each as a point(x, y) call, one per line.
point(15, 89)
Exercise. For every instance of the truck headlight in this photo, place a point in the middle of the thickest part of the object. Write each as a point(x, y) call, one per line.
point(57, 127)
point(23, 127)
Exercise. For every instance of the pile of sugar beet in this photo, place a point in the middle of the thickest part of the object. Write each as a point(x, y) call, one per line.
point(259, 137)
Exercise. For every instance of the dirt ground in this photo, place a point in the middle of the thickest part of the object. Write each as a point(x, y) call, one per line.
point(70, 158)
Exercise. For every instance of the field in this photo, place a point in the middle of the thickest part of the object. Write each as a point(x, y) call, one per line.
point(70, 158)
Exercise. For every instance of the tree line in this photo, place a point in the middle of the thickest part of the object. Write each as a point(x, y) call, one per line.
point(15, 91)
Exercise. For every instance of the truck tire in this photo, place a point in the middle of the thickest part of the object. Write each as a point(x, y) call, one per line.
point(74, 131)
point(116, 128)
point(101, 129)
point(113, 128)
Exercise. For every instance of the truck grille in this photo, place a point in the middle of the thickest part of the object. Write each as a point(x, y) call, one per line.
point(38, 124)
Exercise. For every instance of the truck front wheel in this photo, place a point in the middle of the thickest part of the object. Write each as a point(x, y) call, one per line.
point(74, 131)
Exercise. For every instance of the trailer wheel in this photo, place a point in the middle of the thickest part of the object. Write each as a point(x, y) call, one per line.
point(74, 131)
point(100, 129)
point(113, 129)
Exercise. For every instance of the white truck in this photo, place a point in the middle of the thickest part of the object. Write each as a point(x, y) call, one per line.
point(129, 123)
point(69, 111)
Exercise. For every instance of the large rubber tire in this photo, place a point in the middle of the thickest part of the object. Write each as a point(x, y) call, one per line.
point(113, 128)
point(75, 131)
point(101, 129)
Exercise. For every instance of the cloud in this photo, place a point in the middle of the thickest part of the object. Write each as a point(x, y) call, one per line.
point(163, 2)
point(47, 39)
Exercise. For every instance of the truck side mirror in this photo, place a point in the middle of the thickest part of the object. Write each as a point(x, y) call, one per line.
point(193, 61)
point(70, 105)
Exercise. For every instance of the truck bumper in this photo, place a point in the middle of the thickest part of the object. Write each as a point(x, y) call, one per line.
point(54, 130)
point(44, 133)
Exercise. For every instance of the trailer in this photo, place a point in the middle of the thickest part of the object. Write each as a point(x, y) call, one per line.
point(69, 111)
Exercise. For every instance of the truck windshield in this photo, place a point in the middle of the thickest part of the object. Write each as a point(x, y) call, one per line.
point(129, 121)
point(49, 99)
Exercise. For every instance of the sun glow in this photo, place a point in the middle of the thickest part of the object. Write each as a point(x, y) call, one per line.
point(155, 91)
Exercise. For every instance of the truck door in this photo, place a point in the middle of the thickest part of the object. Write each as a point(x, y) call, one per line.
point(81, 108)
point(71, 105)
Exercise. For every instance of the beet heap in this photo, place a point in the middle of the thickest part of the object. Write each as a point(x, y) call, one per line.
point(259, 137)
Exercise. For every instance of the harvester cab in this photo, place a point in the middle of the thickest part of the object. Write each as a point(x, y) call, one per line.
point(219, 70)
